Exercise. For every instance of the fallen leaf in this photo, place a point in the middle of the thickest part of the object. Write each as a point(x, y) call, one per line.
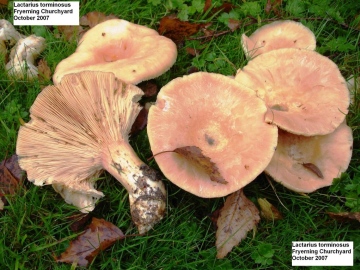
point(140, 122)
point(274, 6)
point(194, 155)
point(95, 17)
point(100, 235)
point(345, 216)
point(268, 211)
point(314, 169)
point(4, 2)
point(44, 72)
point(192, 51)
point(71, 32)
point(214, 217)
point(238, 216)
point(79, 221)
point(149, 88)
point(225, 7)
point(233, 24)
point(176, 30)
point(207, 5)
point(191, 70)
point(11, 176)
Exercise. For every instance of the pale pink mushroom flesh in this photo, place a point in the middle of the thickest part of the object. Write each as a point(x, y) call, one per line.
point(277, 35)
point(134, 53)
point(305, 164)
point(304, 91)
point(222, 118)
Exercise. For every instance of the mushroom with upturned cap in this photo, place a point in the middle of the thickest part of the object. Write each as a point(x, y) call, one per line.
point(208, 135)
point(134, 53)
point(304, 91)
point(22, 58)
point(79, 128)
point(9, 34)
point(305, 164)
point(277, 35)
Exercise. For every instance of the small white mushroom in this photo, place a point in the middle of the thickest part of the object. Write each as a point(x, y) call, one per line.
point(23, 56)
point(9, 34)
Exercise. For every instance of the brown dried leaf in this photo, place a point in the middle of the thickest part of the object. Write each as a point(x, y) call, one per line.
point(209, 33)
point(149, 88)
point(11, 176)
point(273, 5)
point(100, 235)
point(238, 216)
point(4, 2)
point(176, 30)
point(71, 32)
point(191, 70)
point(44, 71)
point(345, 216)
point(214, 217)
point(268, 211)
point(314, 169)
point(95, 17)
point(225, 7)
point(79, 221)
point(233, 24)
point(194, 155)
point(192, 51)
point(140, 122)
point(207, 5)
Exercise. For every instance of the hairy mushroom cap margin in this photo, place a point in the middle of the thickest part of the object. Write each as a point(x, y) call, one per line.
point(305, 164)
point(76, 130)
point(304, 91)
point(134, 53)
point(224, 119)
point(277, 35)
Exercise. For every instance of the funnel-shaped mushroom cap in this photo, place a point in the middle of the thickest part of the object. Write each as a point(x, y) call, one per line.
point(134, 53)
point(277, 35)
point(222, 119)
point(81, 127)
point(304, 91)
point(305, 164)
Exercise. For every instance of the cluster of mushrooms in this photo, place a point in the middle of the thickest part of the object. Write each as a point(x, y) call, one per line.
point(284, 113)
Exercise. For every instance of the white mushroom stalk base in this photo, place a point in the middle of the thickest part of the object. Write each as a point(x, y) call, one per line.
point(147, 193)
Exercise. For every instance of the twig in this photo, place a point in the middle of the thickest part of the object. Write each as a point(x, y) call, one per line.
point(267, 178)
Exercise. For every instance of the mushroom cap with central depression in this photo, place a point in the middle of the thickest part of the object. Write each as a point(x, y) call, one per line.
point(134, 53)
point(304, 91)
point(220, 118)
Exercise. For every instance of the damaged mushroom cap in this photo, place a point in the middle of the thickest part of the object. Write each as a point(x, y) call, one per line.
point(304, 91)
point(9, 34)
point(277, 35)
point(134, 53)
point(223, 119)
point(22, 58)
point(305, 164)
point(76, 130)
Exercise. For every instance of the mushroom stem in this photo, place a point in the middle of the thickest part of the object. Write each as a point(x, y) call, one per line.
point(147, 193)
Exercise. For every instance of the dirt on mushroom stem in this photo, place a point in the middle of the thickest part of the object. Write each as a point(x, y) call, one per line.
point(147, 194)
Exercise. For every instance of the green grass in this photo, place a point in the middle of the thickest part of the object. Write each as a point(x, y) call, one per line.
point(35, 225)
